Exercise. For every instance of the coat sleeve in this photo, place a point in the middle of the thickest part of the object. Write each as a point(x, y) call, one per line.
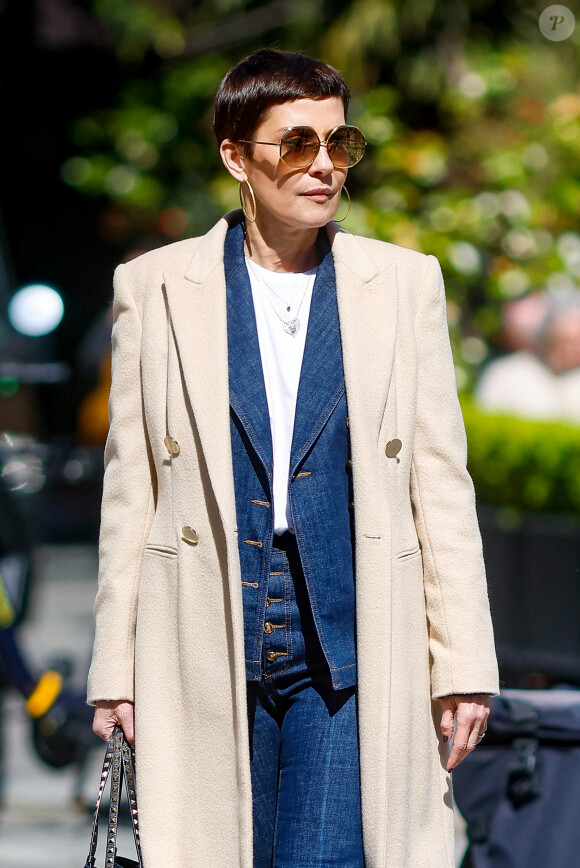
point(127, 508)
point(460, 631)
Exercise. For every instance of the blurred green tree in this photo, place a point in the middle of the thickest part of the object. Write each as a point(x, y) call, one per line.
point(472, 117)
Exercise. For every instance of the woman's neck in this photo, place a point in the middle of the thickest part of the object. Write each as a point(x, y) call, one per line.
point(294, 250)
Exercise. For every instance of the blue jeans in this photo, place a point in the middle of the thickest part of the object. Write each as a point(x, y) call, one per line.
point(303, 737)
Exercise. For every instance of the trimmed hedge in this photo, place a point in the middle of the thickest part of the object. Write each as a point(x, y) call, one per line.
point(532, 466)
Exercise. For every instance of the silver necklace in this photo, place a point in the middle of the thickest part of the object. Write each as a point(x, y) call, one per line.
point(292, 326)
point(287, 304)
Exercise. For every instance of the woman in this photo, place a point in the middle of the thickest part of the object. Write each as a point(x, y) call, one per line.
point(246, 512)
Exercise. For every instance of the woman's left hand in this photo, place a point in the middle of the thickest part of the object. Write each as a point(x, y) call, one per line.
point(470, 712)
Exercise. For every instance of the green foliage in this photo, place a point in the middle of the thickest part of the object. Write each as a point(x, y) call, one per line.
point(486, 177)
point(473, 124)
point(472, 118)
point(531, 466)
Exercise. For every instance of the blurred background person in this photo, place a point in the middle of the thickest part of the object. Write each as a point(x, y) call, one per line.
point(541, 380)
point(522, 320)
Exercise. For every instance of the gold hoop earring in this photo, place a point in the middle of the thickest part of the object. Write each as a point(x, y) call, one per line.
point(243, 201)
point(342, 219)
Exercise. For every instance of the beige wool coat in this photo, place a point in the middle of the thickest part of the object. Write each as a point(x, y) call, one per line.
point(169, 620)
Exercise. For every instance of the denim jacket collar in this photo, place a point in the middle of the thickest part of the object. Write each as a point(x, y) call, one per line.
point(247, 390)
point(321, 378)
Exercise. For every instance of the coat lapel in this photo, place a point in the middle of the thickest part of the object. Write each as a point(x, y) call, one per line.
point(197, 306)
point(367, 305)
point(321, 378)
point(247, 389)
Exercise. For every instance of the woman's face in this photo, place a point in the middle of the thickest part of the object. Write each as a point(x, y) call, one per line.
point(295, 198)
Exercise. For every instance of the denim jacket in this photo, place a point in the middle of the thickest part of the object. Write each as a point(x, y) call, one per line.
point(320, 487)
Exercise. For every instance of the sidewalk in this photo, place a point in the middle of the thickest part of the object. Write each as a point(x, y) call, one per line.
point(39, 823)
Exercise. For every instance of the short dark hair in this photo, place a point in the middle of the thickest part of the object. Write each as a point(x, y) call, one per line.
point(270, 77)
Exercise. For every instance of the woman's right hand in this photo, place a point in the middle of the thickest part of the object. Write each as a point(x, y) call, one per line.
point(109, 714)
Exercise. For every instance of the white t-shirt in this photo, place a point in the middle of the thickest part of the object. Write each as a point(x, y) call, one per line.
point(281, 354)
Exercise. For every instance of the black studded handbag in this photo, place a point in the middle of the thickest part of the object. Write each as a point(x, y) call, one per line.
point(119, 764)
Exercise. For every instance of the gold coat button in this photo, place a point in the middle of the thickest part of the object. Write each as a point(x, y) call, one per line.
point(393, 448)
point(190, 535)
point(271, 656)
point(172, 445)
point(268, 627)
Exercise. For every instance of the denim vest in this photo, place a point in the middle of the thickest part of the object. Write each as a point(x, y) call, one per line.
point(320, 486)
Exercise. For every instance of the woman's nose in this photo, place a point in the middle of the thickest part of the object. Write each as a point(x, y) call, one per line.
point(322, 165)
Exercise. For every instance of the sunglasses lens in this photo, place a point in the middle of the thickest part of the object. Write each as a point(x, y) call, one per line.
point(299, 147)
point(346, 147)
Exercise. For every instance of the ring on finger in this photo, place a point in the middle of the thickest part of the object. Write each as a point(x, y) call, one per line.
point(481, 735)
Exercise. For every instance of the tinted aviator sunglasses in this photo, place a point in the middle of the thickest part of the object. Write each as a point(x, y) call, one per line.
point(299, 146)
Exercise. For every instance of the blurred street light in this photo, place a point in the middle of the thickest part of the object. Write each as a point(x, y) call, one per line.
point(35, 310)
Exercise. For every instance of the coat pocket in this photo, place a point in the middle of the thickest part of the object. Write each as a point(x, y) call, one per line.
point(160, 549)
point(407, 554)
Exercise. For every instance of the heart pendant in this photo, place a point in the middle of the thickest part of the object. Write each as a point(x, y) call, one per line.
point(291, 328)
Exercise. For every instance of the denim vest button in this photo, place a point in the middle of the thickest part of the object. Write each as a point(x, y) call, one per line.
point(271, 656)
point(268, 628)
